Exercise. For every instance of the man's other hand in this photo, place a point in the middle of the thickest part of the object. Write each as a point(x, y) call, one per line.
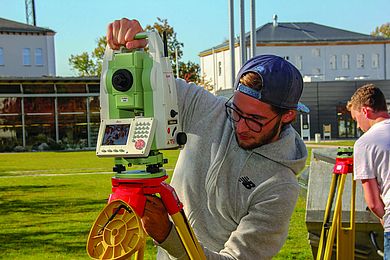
point(155, 220)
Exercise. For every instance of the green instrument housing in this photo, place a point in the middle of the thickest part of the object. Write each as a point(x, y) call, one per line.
point(132, 97)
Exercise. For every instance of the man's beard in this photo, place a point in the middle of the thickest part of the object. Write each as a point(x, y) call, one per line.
point(266, 139)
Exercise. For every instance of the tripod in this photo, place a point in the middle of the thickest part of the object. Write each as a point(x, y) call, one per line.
point(117, 232)
point(345, 247)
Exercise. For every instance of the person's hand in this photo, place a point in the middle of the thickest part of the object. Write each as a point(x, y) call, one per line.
point(122, 32)
point(155, 220)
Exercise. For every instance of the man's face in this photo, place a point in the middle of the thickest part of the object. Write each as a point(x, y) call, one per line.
point(361, 119)
point(261, 113)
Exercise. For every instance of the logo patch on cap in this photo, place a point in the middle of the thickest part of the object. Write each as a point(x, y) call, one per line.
point(259, 69)
point(249, 91)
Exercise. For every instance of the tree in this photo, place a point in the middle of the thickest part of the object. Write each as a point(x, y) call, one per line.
point(98, 53)
point(189, 71)
point(383, 30)
point(89, 64)
point(205, 83)
point(83, 64)
point(162, 26)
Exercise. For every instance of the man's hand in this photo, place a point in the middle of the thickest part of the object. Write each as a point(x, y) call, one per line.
point(155, 220)
point(122, 32)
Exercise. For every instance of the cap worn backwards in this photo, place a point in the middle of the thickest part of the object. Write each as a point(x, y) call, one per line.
point(282, 82)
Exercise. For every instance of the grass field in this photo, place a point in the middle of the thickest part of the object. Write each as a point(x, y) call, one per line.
point(49, 200)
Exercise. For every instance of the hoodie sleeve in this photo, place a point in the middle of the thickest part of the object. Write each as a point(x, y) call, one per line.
point(194, 103)
point(277, 202)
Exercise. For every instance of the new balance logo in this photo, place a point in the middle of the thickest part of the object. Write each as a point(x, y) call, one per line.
point(246, 182)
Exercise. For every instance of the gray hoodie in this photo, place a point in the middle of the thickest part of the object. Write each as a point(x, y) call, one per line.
point(239, 202)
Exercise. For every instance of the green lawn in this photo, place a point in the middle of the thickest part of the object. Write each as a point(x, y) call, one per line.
point(47, 207)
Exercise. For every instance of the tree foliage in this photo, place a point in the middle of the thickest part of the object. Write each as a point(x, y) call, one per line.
point(189, 71)
point(383, 30)
point(162, 26)
point(83, 64)
point(90, 64)
point(205, 83)
point(86, 64)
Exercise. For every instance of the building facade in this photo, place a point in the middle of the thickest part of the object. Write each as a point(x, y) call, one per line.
point(63, 113)
point(26, 50)
point(327, 101)
point(321, 53)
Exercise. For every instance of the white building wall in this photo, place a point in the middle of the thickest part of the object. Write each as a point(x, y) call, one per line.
point(314, 62)
point(387, 65)
point(13, 46)
point(220, 69)
point(207, 70)
point(51, 60)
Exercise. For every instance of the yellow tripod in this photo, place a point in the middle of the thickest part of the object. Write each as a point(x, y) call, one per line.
point(117, 232)
point(345, 246)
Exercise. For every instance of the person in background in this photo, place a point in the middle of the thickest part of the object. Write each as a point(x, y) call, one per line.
point(236, 175)
point(372, 153)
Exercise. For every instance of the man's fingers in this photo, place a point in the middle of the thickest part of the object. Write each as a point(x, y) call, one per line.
point(109, 36)
point(115, 32)
point(153, 200)
point(136, 44)
point(124, 28)
point(122, 33)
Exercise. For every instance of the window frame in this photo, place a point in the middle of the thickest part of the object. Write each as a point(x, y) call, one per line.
point(360, 61)
point(2, 56)
point(375, 61)
point(26, 57)
point(333, 62)
point(345, 61)
point(39, 57)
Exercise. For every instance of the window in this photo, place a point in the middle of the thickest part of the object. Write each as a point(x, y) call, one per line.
point(298, 62)
point(333, 62)
point(316, 52)
point(360, 61)
point(388, 105)
point(345, 61)
point(38, 57)
point(1, 56)
point(375, 61)
point(219, 68)
point(316, 71)
point(26, 57)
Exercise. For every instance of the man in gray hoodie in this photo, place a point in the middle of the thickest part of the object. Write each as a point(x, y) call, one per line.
point(236, 174)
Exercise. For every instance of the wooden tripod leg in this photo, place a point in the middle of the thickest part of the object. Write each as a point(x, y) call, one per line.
point(336, 217)
point(139, 255)
point(346, 235)
point(191, 244)
point(325, 229)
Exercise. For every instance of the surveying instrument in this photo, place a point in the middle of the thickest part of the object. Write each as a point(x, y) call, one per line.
point(345, 235)
point(139, 117)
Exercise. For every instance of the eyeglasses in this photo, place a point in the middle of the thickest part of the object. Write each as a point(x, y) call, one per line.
point(235, 116)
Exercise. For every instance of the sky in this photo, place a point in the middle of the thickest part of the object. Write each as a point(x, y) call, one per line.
point(199, 24)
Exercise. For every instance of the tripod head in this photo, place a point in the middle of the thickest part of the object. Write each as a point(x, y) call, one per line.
point(344, 161)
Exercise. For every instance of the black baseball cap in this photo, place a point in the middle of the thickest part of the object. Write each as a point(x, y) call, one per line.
point(282, 82)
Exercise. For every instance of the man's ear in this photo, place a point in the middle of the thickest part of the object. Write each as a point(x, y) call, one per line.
point(289, 116)
point(367, 111)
